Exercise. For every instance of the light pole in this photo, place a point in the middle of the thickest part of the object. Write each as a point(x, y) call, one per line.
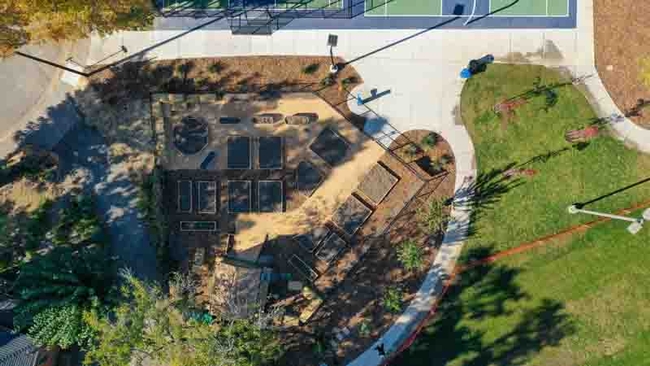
point(332, 41)
point(635, 226)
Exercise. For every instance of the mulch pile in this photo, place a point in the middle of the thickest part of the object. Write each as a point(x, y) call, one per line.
point(622, 46)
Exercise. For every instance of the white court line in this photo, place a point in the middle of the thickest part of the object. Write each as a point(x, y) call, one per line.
point(467, 16)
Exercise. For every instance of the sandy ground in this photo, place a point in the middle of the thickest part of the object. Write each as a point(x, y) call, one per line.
point(254, 228)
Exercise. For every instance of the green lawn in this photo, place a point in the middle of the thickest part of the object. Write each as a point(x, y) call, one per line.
point(579, 303)
point(582, 301)
point(534, 207)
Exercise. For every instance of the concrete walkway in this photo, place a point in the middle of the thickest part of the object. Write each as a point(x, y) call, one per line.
point(35, 108)
point(420, 71)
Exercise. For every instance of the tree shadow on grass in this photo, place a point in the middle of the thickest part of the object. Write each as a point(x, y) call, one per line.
point(485, 294)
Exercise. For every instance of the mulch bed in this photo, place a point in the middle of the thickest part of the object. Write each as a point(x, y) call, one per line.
point(268, 75)
point(358, 297)
point(622, 42)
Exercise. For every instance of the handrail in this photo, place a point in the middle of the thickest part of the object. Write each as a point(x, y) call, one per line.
point(293, 8)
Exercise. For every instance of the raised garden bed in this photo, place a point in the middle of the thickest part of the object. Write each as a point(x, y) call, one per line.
point(353, 282)
point(330, 147)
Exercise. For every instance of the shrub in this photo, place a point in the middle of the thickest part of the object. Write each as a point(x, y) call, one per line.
point(37, 225)
point(410, 255)
point(446, 159)
point(328, 81)
point(429, 141)
point(411, 151)
point(217, 67)
point(77, 223)
point(364, 328)
point(311, 69)
point(348, 81)
point(185, 68)
point(392, 300)
point(432, 216)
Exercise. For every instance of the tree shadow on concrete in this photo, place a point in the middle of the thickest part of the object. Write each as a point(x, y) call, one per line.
point(485, 294)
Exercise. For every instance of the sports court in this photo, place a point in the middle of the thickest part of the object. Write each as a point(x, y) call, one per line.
point(237, 4)
point(465, 8)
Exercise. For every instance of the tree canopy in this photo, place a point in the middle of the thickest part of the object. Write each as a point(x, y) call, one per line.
point(57, 289)
point(172, 330)
point(34, 21)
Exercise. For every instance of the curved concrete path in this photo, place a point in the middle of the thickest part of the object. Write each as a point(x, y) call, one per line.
point(598, 96)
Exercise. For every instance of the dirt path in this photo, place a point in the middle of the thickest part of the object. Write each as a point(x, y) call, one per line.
point(83, 152)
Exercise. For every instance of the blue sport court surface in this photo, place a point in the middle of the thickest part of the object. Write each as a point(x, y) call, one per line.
point(465, 8)
point(399, 14)
point(239, 4)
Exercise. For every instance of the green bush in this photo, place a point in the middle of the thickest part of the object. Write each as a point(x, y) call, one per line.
point(410, 255)
point(311, 69)
point(148, 204)
point(217, 67)
point(392, 300)
point(348, 81)
point(432, 216)
point(411, 151)
point(364, 328)
point(446, 159)
point(37, 225)
point(77, 223)
point(429, 141)
point(328, 81)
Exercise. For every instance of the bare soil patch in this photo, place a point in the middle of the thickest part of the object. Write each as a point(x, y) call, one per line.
point(622, 50)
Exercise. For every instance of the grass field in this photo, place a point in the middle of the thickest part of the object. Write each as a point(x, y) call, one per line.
point(512, 212)
point(577, 303)
point(581, 301)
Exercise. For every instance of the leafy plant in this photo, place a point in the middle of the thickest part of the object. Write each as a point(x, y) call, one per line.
point(57, 289)
point(392, 300)
point(217, 67)
point(410, 255)
point(429, 141)
point(311, 69)
point(77, 223)
point(446, 159)
point(411, 151)
point(364, 328)
point(345, 83)
point(328, 81)
point(185, 68)
point(550, 99)
point(151, 324)
point(37, 225)
point(432, 216)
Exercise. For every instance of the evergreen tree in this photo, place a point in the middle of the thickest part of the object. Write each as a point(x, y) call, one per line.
point(57, 288)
